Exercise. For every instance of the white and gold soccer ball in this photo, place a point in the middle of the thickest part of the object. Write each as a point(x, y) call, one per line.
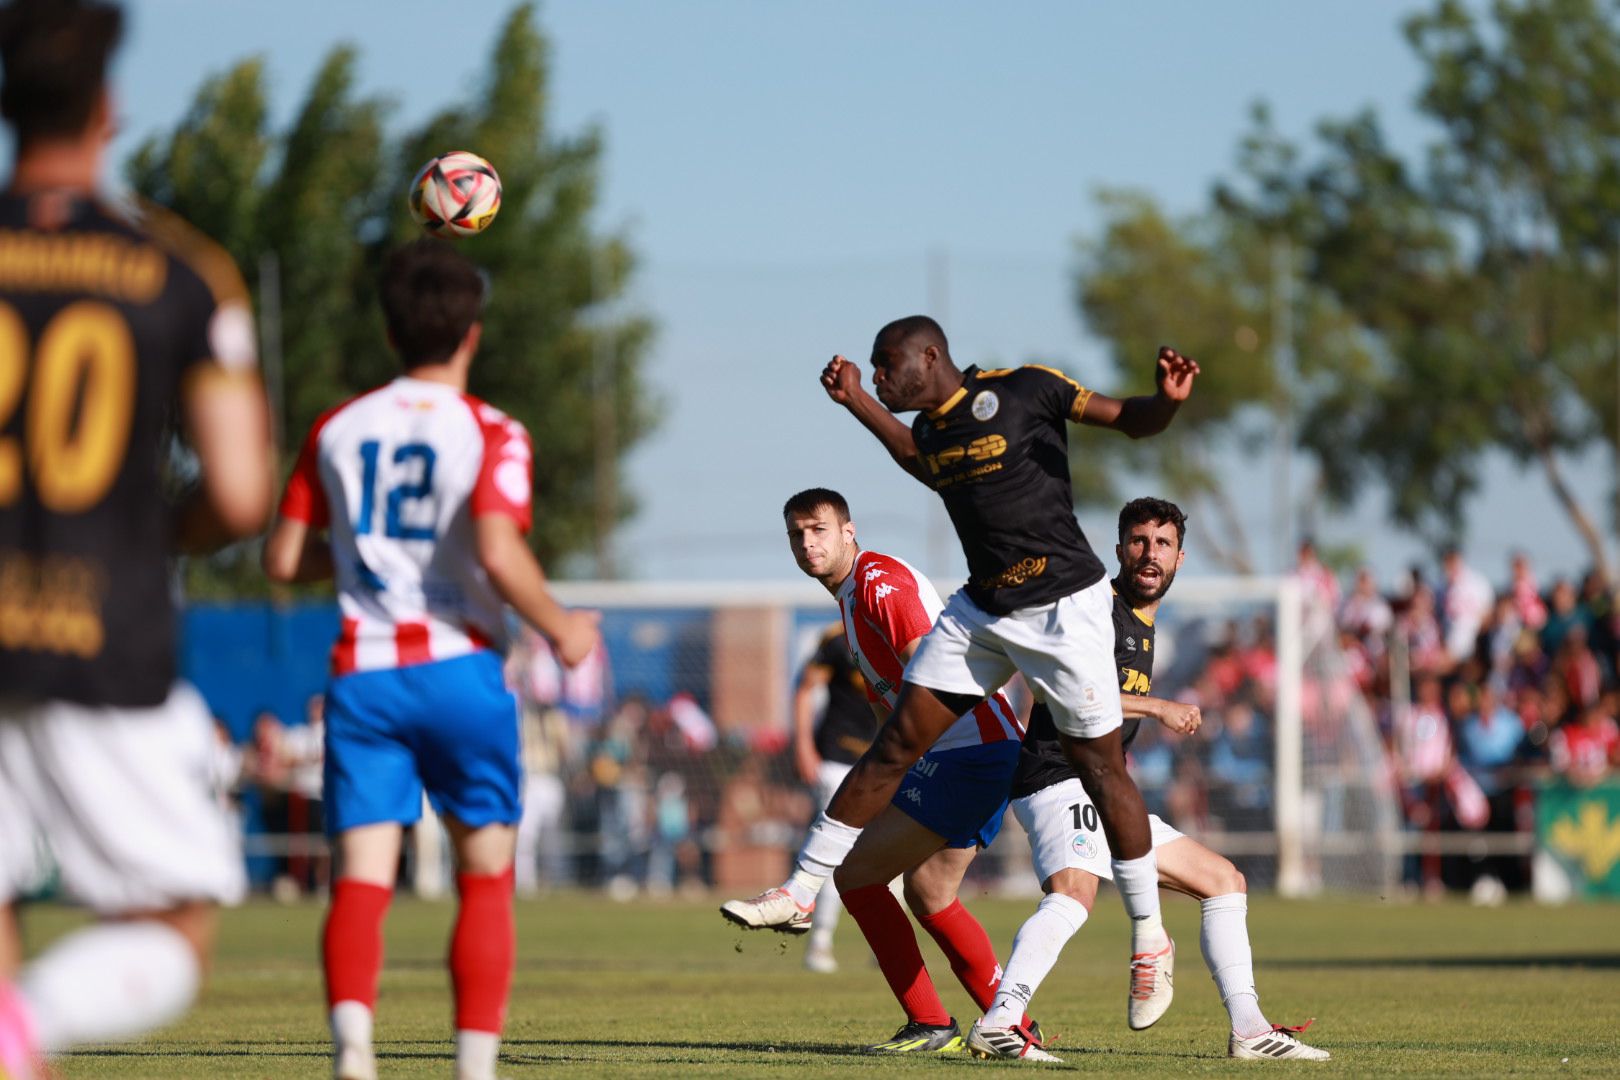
point(455, 194)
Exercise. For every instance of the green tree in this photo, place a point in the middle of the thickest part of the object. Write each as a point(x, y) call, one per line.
point(325, 199)
point(1447, 309)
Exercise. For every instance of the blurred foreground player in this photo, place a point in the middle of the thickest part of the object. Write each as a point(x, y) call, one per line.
point(950, 806)
point(1070, 853)
point(994, 445)
point(110, 329)
point(424, 493)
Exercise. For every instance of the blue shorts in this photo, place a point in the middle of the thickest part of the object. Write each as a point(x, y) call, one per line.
point(449, 727)
point(960, 794)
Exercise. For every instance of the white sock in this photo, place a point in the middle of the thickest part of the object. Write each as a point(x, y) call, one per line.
point(1138, 883)
point(351, 1023)
point(1034, 951)
point(824, 849)
point(825, 918)
point(110, 982)
point(1224, 936)
point(476, 1052)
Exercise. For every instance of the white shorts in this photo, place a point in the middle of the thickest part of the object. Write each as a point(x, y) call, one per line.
point(1065, 833)
point(829, 775)
point(1065, 650)
point(121, 800)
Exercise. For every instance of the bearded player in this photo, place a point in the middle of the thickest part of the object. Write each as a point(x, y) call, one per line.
point(1071, 854)
point(994, 445)
point(424, 494)
point(951, 804)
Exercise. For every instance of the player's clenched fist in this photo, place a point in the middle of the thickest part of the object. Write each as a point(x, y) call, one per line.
point(841, 379)
point(1175, 374)
point(578, 635)
point(1182, 718)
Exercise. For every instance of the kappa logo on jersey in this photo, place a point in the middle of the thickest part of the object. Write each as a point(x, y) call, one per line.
point(914, 794)
point(882, 590)
point(985, 405)
point(873, 574)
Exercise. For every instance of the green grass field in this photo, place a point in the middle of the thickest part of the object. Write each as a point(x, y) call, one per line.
point(663, 989)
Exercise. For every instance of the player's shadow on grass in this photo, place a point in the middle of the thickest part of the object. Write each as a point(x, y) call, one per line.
point(1602, 961)
point(533, 1051)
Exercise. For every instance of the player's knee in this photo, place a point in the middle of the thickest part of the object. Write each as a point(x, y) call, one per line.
point(895, 750)
point(1229, 879)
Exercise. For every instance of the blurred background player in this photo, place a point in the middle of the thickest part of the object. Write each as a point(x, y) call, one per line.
point(424, 493)
point(994, 445)
point(824, 748)
point(109, 326)
point(1071, 854)
point(950, 806)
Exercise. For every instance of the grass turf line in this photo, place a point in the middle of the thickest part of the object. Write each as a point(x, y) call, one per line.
point(655, 989)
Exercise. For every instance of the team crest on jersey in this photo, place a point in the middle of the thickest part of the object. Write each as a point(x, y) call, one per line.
point(985, 405)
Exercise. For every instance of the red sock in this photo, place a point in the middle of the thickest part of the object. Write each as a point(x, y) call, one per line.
point(352, 944)
point(483, 951)
point(962, 939)
point(889, 933)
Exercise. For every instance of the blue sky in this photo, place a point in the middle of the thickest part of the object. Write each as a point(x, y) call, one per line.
point(795, 174)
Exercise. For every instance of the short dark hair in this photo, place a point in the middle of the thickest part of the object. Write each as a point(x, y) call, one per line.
point(431, 296)
point(1153, 511)
point(810, 500)
point(903, 330)
point(55, 54)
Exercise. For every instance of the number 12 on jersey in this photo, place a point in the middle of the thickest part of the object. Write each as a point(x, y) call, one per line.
point(419, 488)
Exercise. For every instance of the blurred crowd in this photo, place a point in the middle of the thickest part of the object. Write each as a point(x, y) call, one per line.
point(1481, 690)
point(1478, 691)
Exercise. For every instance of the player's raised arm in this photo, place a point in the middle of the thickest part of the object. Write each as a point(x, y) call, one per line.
point(296, 549)
point(1180, 717)
point(1147, 414)
point(842, 381)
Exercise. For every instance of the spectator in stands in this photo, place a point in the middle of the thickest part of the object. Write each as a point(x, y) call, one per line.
point(1577, 668)
point(1423, 756)
point(1489, 744)
point(1465, 604)
point(1499, 640)
point(1240, 758)
point(1586, 748)
point(1365, 612)
point(1420, 626)
point(1525, 594)
point(1321, 591)
point(1565, 613)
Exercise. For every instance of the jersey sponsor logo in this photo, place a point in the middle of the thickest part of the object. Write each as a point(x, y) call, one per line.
point(1134, 682)
point(1016, 574)
point(924, 767)
point(985, 405)
point(1085, 846)
point(51, 604)
point(984, 448)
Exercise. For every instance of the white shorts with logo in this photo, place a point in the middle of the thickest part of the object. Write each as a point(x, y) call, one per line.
point(1065, 833)
point(120, 799)
point(1065, 650)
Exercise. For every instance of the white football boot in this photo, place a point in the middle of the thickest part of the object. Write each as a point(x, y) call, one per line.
point(1278, 1044)
point(1017, 1043)
point(1152, 985)
point(772, 909)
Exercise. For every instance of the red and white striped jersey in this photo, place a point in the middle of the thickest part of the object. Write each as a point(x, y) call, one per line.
point(397, 476)
point(886, 606)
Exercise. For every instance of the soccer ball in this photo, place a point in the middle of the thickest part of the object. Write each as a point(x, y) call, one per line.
point(455, 194)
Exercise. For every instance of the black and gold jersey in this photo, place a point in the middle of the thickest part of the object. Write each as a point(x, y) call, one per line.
point(848, 725)
point(998, 454)
point(101, 319)
point(1040, 759)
